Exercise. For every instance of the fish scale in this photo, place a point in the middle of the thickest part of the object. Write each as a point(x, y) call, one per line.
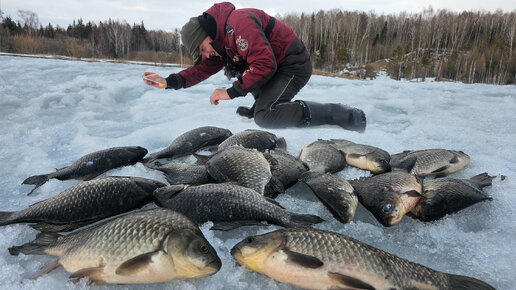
point(322, 156)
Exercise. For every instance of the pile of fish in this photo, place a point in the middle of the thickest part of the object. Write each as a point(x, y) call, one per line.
point(233, 184)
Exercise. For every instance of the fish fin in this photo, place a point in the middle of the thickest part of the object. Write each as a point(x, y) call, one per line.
point(163, 194)
point(230, 225)
point(136, 264)
point(459, 282)
point(348, 282)
point(46, 269)
point(303, 260)
point(36, 247)
point(5, 217)
point(483, 179)
point(274, 187)
point(440, 169)
point(413, 192)
point(46, 227)
point(274, 202)
point(201, 159)
point(353, 155)
point(302, 220)
point(94, 274)
point(281, 143)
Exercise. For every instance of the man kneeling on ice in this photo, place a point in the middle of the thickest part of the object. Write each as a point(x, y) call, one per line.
point(268, 60)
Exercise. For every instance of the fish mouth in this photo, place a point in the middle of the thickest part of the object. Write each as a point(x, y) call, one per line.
point(216, 264)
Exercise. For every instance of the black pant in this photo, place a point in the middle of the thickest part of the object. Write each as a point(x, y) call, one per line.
point(273, 108)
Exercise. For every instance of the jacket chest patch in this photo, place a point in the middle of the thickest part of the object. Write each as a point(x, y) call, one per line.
point(242, 43)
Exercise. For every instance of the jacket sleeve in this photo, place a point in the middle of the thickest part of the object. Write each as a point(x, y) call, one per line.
point(256, 50)
point(198, 73)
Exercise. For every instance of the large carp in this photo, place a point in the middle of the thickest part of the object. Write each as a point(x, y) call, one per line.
point(438, 162)
point(316, 259)
point(85, 203)
point(143, 247)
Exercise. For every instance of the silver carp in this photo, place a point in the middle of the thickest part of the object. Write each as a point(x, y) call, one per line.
point(148, 246)
point(364, 157)
point(85, 203)
point(246, 167)
point(438, 162)
point(335, 193)
point(92, 165)
point(316, 259)
point(229, 206)
point(322, 156)
point(389, 196)
point(190, 142)
point(442, 196)
point(252, 138)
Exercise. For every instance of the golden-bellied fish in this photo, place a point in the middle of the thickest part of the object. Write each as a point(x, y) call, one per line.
point(229, 206)
point(143, 247)
point(92, 165)
point(389, 196)
point(438, 162)
point(364, 157)
point(316, 259)
point(442, 196)
point(85, 203)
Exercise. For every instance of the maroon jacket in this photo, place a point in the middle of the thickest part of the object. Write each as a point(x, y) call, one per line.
point(241, 34)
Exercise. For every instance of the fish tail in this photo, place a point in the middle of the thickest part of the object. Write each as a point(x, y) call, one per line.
point(36, 247)
point(302, 220)
point(37, 180)
point(274, 187)
point(483, 179)
point(459, 282)
point(6, 218)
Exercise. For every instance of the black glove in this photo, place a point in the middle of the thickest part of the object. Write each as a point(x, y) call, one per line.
point(174, 82)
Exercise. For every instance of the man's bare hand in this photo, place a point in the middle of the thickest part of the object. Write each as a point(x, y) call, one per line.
point(217, 95)
point(154, 80)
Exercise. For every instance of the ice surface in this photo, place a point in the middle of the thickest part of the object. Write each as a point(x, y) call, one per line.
point(55, 111)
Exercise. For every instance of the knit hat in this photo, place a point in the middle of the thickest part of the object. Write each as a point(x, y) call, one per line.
point(192, 35)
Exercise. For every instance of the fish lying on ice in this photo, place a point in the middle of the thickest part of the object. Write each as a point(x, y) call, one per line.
point(190, 142)
point(364, 157)
point(148, 246)
point(229, 206)
point(85, 203)
point(252, 138)
point(438, 162)
point(315, 259)
point(442, 196)
point(285, 167)
point(183, 173)
point(322, 156)
point(92, 165)
point(389, 196)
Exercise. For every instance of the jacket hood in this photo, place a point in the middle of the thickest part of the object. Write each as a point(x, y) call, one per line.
point(220, 13)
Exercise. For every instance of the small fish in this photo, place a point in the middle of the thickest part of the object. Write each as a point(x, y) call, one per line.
point(442, 196)
point(438, 162)
point(85, 203)
point(183, 173)
point(246, 167)
point(364, 157)
point(92, 165)
point(389, 196)
point(190, 142)
point(335, 193)
point(148, 246)
point(316, 259)
point(229, 206)
point(285, 167)
point(322, 156)
point(252, 138)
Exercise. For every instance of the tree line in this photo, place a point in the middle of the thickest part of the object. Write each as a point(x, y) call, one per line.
point(471, 47)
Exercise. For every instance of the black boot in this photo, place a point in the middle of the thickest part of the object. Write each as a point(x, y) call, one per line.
point(246, 111)
point(336, 114)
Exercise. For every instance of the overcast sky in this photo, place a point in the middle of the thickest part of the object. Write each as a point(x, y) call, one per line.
point(167, 15)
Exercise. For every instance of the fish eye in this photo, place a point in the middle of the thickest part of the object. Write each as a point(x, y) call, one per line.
point(386, 208)
point(249, 240)
point(204, 249)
